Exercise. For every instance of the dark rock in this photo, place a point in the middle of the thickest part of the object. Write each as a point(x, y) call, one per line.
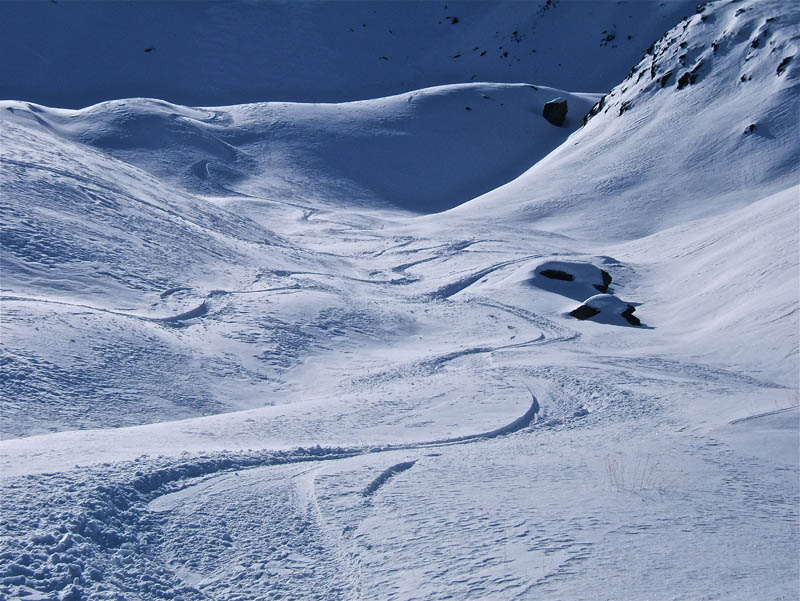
point(689, 77)
point(555, 111)
point(598, 106)
point(607, 308)
point(555, 274)
point(784, 63)
point(750, 129)
point(584, 312)
point(665, 78)
point(629, 317)
point(606, 282)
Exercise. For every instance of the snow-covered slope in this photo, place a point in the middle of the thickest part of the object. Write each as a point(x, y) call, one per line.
point(422, 151)
point(96, 228)
point(710, 111)
point(248, 354)
point(711, 114)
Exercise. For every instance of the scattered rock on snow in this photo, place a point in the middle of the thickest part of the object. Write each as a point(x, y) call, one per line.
point(571, 279)
point(598, 106)
point(555, 111)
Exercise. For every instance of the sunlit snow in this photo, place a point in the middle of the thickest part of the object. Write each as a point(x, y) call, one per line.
point(291, 301)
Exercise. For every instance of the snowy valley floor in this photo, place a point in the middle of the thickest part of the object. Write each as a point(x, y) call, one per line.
point(470, 447)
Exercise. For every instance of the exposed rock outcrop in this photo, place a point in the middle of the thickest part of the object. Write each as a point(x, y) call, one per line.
point(572, 279)
point(555, 111)
point(608, 309)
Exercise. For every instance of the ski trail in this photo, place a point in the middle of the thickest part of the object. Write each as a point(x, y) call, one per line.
point(759, 415)
point(385, 476)
point(453, 288)
point(102, 512)
point(172, 320)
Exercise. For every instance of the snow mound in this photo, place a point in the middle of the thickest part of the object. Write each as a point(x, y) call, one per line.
point(571, 279)
point(607, 308)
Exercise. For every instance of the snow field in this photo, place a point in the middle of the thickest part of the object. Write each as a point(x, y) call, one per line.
point(248, 354)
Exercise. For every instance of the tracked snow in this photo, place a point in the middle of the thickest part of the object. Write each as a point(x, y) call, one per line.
point(328, 348)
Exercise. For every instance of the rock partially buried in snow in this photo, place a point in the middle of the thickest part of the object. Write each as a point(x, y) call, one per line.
point(571, 279)
point(610, 308)
point(555, 111)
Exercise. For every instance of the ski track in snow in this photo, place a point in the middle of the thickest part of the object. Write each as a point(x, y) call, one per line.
point(110, 515)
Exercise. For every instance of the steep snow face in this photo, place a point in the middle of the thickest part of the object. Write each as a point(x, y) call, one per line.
point(710, 112)
point(222, 53)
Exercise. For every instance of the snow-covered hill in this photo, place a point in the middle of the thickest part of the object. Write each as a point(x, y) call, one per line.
point(708, 111)
point(423, 151)
point(377, 342)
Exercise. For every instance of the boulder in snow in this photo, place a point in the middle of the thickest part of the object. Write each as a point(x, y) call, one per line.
point(606, 308)
point(574, 280)
point(555, 111)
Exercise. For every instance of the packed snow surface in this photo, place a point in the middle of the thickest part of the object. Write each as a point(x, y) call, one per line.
point(322, 349)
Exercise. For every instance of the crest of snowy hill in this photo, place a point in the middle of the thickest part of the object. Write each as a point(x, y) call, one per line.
point(422, 151)
point(221, 53)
